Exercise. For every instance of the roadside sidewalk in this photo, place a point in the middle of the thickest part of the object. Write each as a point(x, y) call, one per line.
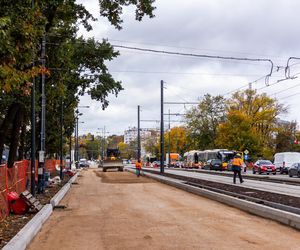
point(117, 210)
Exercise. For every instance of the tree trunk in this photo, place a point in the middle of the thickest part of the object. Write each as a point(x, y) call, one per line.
point(22, 143)
point(8, 120)
point(15, 137)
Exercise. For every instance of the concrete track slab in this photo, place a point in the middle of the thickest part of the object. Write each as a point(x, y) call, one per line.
point(273, 187)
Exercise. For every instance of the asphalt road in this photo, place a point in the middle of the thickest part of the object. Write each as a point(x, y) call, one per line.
point(117, 210)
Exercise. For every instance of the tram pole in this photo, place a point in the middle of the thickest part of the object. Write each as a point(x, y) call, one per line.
point(32, 163)
point(138, 136)
point(162, 144)
point(169, 142)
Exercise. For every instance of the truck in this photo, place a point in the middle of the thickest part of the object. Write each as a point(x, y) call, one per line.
point(174, 158)
point(284, 160)
point(112, 160)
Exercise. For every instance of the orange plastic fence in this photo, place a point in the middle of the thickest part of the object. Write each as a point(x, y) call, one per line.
point(3, 192)
point(18, 179)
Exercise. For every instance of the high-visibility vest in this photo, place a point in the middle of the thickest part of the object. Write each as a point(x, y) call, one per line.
point(138, 165)
point(237, 162)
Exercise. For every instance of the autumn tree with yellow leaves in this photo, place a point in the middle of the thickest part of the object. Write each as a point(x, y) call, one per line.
point(251, 123)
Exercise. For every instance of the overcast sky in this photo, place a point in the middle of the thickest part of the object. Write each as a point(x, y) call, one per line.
point(249, 28)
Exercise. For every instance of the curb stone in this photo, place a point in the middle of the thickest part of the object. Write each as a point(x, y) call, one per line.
point(22, 239)
point(62, 192)
point(287, 218)
point(27, 233)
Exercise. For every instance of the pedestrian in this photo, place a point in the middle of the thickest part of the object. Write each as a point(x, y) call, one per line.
point(237, 165)
point(138, 166)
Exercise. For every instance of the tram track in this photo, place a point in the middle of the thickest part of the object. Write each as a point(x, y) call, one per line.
point(266, 178)
point(275, 200)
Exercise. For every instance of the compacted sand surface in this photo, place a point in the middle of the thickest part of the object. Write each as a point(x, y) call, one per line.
point(117, 210)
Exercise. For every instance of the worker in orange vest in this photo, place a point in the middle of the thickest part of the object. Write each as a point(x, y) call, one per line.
point(237, 165)
point(138, 166)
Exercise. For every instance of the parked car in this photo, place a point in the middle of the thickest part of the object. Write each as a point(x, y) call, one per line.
point(83, 163)
point(264, 166)
point(294, 170)
point(156, 164)
point(213, 164)
point(179, 164)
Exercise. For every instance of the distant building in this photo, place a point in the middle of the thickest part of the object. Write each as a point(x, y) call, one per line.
point(131, 134)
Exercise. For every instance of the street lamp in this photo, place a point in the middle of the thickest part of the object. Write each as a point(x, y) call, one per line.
point(103, 140)
point(76, 136)
point(77, 114)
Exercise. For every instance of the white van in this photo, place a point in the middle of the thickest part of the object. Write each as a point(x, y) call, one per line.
point(283, 161)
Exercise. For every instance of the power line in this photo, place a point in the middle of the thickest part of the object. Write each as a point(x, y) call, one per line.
point(180, 73)
point(285, 89)
point(179, 47)
point(202, 56)
point(289, 96)
point(184, 103)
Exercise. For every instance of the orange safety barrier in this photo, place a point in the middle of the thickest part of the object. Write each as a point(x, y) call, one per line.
point(3, 192)
point(12, 179)
point(18, 179)
point(51, 165)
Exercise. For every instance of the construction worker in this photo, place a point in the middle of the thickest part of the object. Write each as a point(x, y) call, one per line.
point(237, 165)
point(138, 166)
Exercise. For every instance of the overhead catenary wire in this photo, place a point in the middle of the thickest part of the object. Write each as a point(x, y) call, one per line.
point(281, 91)
point(191, 48)
point(285, 97)
point(203, 56)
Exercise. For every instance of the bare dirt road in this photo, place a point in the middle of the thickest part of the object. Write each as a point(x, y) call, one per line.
point(117, 210)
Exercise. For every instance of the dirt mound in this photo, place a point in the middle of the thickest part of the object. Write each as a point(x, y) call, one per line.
point(121, 177)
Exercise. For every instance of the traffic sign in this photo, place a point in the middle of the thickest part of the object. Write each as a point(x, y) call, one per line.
point(246, 152)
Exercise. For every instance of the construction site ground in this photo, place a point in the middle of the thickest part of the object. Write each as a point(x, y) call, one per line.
point(117, 210)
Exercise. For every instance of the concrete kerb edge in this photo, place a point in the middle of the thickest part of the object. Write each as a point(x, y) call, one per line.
point(73, 179)
point(62, 192)
point(28, 232)
point(290, 219)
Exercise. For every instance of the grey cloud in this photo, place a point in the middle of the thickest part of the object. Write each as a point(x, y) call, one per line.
point(252, 28)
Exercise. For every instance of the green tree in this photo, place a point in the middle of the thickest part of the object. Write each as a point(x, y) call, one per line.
point(21, 30)
point(203, 120)
point(123, 147)
point(237, 133)
point(286, 136)
point(151, 143)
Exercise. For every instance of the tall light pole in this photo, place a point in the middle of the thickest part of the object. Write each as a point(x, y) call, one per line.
point(169, 142)
point(41, 167)
point(162, 144)
point(32, 163)
point(61, 137)
point(77, 114)
point(76, 136)
point(138, 136)
point(104, 132)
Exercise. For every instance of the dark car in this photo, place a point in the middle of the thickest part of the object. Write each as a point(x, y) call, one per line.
point(264, 166)
point(294, 170)
point(213, 164)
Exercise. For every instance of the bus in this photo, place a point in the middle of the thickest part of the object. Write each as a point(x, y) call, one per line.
point(191, 159)
point(197, 158)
